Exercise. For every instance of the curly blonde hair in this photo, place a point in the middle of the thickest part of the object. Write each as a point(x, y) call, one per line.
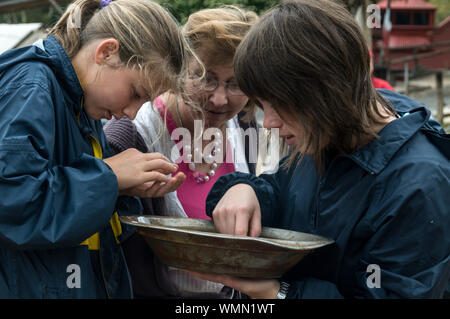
point(214, 35)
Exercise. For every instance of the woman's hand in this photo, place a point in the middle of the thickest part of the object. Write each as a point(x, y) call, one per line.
point(254, 288)
point(144, 173)
point(238, 212)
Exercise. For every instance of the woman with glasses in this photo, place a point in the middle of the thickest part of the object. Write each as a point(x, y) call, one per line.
point(193, 130)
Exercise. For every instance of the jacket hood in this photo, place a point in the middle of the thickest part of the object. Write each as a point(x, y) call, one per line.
point(376, 155)
point(51, 53)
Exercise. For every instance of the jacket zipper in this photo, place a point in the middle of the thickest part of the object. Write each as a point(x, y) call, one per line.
point(99, 245)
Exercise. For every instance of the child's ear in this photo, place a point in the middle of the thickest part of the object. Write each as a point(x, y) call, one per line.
point(106, 51)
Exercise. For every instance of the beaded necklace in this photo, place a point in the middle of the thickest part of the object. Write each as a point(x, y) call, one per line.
point(199, 177)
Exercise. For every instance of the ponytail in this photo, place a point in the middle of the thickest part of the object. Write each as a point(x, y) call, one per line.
point(70, 26)
point(150, 38)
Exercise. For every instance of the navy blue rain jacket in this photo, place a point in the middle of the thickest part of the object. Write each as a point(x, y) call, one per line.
point(387, 205)
point(54, 192)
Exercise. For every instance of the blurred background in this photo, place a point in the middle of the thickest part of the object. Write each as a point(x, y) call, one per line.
point(409, 39)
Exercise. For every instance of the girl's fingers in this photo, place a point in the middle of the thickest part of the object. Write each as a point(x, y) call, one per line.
point(241, 226)
point(153, 191)
point(218, 219)
point(155, 156)
point(230, 223)
point(255, 224)
point(160, 189)
point(161, 166)
point(179, 178)
point(154, 177)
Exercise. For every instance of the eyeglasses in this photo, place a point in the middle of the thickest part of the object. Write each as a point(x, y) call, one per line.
point(232, 88)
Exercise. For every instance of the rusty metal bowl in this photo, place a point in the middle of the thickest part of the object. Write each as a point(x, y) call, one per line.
point(195, 244)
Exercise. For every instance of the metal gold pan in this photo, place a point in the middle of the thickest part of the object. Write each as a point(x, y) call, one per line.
point(196, 245)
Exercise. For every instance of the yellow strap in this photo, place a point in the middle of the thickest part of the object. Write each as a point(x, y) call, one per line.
point(93, 242)
point(116, 227)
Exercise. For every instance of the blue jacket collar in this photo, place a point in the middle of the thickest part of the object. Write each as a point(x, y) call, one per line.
point(64, 71)
point(376, 155)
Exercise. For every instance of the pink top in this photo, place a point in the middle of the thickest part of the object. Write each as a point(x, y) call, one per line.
point(191, 194)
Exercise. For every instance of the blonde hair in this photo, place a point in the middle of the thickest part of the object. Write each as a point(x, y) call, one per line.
point(150, 39)
point(214, 35)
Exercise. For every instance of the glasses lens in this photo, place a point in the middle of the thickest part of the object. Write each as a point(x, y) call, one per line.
point(234, 89)
point(209, 84)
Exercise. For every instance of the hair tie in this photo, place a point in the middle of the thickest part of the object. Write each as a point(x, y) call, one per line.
point(104, 3)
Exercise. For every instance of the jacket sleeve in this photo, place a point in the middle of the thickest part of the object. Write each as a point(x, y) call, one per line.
point(45, 204)
point(122, 134)
point(404, 246)
point(266, 187)
point(410, 241)
point(313, 288)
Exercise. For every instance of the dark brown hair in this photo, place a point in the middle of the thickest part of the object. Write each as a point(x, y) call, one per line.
point(309, 59)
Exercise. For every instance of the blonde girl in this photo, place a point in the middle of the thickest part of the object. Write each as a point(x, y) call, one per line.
point(59, 227)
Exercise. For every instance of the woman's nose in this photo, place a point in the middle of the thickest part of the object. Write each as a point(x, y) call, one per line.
point(219, 96)
point(271, 119)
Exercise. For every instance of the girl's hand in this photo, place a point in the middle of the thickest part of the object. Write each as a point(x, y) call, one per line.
point(155, 189)
point(254, 288)
point(134, 168)
point(238, 212)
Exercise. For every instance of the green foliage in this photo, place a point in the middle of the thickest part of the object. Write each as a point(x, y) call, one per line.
point(442, 11)
point(47, 15)
point(181, 9)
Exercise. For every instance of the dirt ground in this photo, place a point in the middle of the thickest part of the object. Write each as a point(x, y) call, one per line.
point(423, 90)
